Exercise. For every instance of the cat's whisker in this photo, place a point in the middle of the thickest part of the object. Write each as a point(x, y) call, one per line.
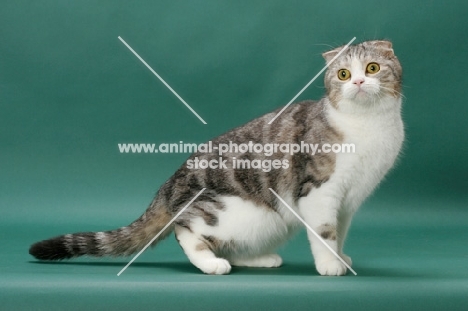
point(393, 91)
point(325, 44)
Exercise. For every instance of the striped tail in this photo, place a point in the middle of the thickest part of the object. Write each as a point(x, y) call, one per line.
point(124, 241)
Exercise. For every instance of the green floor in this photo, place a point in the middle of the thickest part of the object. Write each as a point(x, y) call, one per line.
point(408, 255)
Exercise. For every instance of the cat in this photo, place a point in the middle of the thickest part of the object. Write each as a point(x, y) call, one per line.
point(237, 220)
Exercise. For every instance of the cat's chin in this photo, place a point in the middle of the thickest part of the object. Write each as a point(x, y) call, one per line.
point(360, 103)
point(361, 97)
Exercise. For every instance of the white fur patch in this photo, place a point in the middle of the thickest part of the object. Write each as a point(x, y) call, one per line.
point(377, 133)
point(256, 229)
point(69, 243)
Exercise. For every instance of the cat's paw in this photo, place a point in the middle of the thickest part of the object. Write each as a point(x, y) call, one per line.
point(271, 261)
point(331, 267)
point(264, 261)
point(347, 259)
point(215, 266)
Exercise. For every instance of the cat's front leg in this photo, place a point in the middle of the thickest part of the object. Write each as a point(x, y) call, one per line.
point(344, 220)
point(320, 212)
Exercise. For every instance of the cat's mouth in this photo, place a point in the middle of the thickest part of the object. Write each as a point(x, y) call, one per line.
point(362, 93)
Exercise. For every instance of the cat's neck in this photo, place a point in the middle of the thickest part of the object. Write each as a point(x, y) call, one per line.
point(382, 116)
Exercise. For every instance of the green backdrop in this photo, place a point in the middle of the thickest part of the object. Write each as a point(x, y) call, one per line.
point(70, 91)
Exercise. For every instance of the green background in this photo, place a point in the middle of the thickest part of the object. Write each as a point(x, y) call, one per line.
point(70, 91)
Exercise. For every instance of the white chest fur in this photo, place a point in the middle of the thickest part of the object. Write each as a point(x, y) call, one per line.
point(377, 134)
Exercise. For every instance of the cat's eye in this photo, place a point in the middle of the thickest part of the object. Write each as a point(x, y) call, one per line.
point(344, 74)
point(372, 68)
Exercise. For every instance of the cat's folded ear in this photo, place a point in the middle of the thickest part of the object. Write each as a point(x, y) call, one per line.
point(330, 54)
point(384, 47)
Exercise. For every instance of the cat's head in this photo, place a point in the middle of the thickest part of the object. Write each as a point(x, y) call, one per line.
point(363, 73)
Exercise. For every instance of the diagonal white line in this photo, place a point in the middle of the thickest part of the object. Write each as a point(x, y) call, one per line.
point(157, 235)
point(312, 230)
point(162, 80)
point(311, 81)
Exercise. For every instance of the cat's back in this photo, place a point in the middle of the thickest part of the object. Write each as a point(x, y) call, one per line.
point(292, 123)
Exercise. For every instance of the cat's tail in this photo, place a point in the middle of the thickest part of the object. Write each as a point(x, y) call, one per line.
point(120, 242)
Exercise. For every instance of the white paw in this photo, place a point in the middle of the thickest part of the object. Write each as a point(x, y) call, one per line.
point(331, 267)
point(215, 266)
point(271, 261)
point(347, 259)
point(264, 261)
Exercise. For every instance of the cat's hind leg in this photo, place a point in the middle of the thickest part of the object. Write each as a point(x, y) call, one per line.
point(199, 252)
point(263, 261)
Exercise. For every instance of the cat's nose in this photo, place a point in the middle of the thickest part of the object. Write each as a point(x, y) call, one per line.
point(358, 81)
